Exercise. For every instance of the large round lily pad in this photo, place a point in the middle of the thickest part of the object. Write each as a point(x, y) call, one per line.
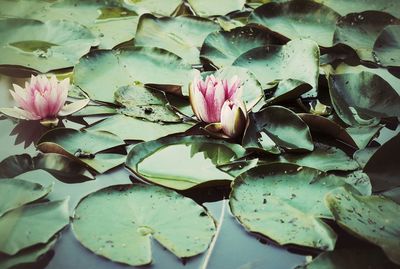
point(145, 65)
point(298, 59)
point(285, 202)
point(43, 46)
point(40, 221)
point(387, 46)
point(180, 35)
point(183, 162)
point(130, 215)
point(373, 218)
point(211, 8)
point(298, 19)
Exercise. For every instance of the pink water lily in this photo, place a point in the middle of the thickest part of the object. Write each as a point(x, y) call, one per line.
point(43, 99)
point(207, 97)
point(219, 102)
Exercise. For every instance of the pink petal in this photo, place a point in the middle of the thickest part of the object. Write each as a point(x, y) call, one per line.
point(233, 118)
point(216, 104)
point(41, 106)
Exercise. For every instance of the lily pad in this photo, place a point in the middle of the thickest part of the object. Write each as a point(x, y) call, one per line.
point(373, 218)
point(298, 19)
point(63, 168)
point(27, 257)
point(84, 146)
point(206, 8)
point(283, 128)
point(363, 98)
point(223, 47)
point(387, 46)
point(143, 212)
point(17, 192)
point(383, 166)
point(170, 161)
point(43, 46)
point(129, 128)
point(31, 224)
point(360, 30)
point(144, 103)
point(288, 89)
point(285, 202)
point(180, 35)
point(145, 65)
point(165, 8)
point(298, 59)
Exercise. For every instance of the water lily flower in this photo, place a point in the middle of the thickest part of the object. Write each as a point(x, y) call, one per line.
point(43, 99)
point(207, 97)
point(233, 117)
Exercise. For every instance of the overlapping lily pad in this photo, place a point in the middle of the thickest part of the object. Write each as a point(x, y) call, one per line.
point(298, 19)
point(285, 202)
point(43, 46)
point(277, 126)
point(39, 221)
point(145, 65)
point(171, 161)
point(387, 46)
point(180, 35)
point(143, 212)
point(211, 8)
point(84, 146)
point(372, 218)
point(298, 59)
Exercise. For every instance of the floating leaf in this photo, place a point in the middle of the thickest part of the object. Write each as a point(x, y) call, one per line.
point(95, 110)
point(144, 103)
point(17, 192)
point(362, 156)
point(223, 47)
point(281, 127)
point(373, 218)
point(387, 46)
point(298, 19)
point(143, 212)
point(360, 30)
point(129, 128)
point(146, 65)
point(84, 146)
point(43, 46)
point(285, 203)
point(31, 224)
point(288, 89)
point(170, 161)
point(383, 166)
point(207, 8)
point(63, 168)
point(298, 59)
point(165, 8)
point(180, 35)
point(362, 98)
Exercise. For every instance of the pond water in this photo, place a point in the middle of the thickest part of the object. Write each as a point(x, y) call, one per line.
point(234, 247)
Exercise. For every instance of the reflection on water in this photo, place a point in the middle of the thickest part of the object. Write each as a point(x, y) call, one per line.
point(234, 248)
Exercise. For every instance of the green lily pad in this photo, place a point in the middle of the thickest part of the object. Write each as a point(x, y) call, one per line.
point(27, 257)
point(31, 224)
point(277, 126)
point(43, 46)
point(362, 156)
point(387, 46)
point(360, 30)
point(84, 146)
point(129, 128)
point(288, 89)
point(298, 19)
point(143, 212)
point(355, 258)
point(165, 8)
point(223, 47)
point(17, 192)
point(363, 98)
point(145, 65)
point(298, 59)
point(285, 202)
point(170, 161)
point(63, 168)
point(207, 8)
point(180, 35)
point(383, 166)
point(373, 218)
point(144, 103)
point(95, 110)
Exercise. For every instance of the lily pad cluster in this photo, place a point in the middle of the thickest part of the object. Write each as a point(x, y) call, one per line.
point(317, 159)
